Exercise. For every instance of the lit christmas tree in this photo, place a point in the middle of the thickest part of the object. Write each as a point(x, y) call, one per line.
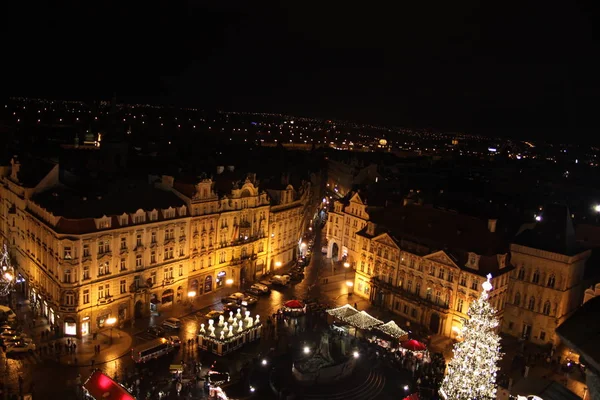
point(472, 372)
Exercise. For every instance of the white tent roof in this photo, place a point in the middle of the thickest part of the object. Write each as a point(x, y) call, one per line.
point(342, 312)
point(392, 329)
point(362, 320)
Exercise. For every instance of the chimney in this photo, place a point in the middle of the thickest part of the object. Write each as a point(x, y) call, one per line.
point(492, 225)
point(15, 168)
point(220, 169)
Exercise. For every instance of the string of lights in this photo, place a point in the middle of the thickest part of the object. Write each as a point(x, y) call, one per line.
point(472, 372)
point(7, 279)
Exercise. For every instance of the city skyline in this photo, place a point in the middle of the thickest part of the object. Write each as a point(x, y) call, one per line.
point(460, 70)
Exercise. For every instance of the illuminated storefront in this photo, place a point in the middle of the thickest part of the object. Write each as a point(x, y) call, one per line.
point(70, 326)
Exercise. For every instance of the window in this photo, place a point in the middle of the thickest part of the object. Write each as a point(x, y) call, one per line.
point(405, 309)
point(521, 275)
point(547, 308)
point(138, 240)
point(475, 284)
point(551, 281)
point(413, 313)
point(222, 257)
point(432, 270)
point(69, 299)
point(122, 285)
point(168, 273)
point(86, 250)
point(101, 269)
point(153, 257)
point(123, 243)
point(67, 276)
point(542, 335)
point(181, 254)
point(400, 283)
point(438, 296)
point(409, 286)
point(153, 277)
point(428, 294)
point(441, 273)
point(100, 292)
point(517, 299)
point(169, 253)
point(536, 276)
point(138, 260)
point(459, 306)
point(180, 269)
point(418, 289)
point(531, 303)
point(463, 280)
point(67, 253)
point(153, 237)
point(123, 264)
point(86, 296)
point(450, 276)
point(261, 247)
point(86, 272)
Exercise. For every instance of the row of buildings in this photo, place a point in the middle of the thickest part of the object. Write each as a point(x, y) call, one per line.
point(137, 246)
point(427, 264)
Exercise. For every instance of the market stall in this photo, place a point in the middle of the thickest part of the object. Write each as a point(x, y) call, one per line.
point(362, 320)
point(393, 330)
point(100, 387)
point(294, 308)
point(342, 312)
point(223, 337)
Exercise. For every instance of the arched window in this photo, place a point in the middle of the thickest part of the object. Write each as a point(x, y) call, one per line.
point(551, 281)
point(521, 274)
point(547, 308)
point(531, 303)
point(517, 299)
point(536, 276)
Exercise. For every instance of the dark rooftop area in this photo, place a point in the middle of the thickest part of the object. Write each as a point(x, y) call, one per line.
point(71, 203)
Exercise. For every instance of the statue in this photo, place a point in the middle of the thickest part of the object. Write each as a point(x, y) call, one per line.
point(241, 326)
point(230, 334)
point(211, 327)
point(202, 330)
point(230, 320)
point(222, 337)
point(239, 314)
point(221, 320)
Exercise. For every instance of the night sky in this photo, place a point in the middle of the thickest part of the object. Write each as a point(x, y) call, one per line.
point(530, 68)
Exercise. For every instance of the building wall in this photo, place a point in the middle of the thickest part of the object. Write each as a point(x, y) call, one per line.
point(425, 288)
point(142, 262)
point(545, 288)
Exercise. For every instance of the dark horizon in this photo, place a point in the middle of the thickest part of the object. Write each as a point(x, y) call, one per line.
point(463, 68)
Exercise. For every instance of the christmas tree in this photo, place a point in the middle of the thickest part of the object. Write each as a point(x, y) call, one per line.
point(472, 371)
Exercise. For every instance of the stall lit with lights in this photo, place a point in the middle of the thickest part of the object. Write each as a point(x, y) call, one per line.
point(225, 336)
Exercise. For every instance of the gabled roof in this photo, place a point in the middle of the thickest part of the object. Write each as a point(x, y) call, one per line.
point(442, 258)
point(554, 232)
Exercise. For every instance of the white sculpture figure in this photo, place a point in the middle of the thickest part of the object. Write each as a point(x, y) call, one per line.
point(230, 320)
point(221, 320)
point(248, 319)
point(241, 326)
point(202, 330)
point(257, 320)
point(230, 334)
point(225, 327)
point(222, 334)
point(239, 314)
point(211, 327)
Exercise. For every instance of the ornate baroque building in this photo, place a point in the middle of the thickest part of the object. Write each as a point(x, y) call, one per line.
point(136, 247)
point(424, 264)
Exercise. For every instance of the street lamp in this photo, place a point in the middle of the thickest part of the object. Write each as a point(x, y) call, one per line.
point(229, 282)
point(346, 267)
point(111, 322)
point(350, 284)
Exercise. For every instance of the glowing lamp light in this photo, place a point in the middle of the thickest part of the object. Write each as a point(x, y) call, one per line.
point(356, 354)
point(191, 293)
point(111, 321)
point(278, 264)
point(349, 283)
point(303, 245)
point(346, 265)
point(406, 388)
point(8, 277)
point(264, 361)
point(597, 208)
point(229, 281)
point(306, 350)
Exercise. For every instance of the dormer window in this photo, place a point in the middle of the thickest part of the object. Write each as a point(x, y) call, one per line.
point(153, 215)
point(103, 223)
point(124, 220)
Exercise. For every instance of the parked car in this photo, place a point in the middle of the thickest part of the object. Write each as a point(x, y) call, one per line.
point(254, 292)
point(249, 301)
point(261, 288)
point(175, 341)
point(281, 280)
point(237, 296)
point(214, 314)
point(172, 323)
point(156, 331)
point(21, 347)
point(17, 339)
point(231, 306)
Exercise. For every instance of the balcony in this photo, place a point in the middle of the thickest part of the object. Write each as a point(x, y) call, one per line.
point(409, 295)
point(67, 308)
point(169, 241)
point(102, 256)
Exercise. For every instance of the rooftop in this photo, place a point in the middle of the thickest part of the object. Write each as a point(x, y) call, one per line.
point(74, 204)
